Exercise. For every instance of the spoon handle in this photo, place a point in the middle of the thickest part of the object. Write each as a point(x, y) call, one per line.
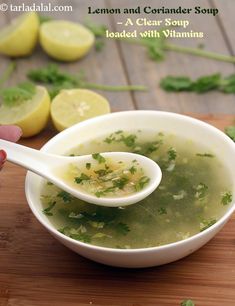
point(28, 158)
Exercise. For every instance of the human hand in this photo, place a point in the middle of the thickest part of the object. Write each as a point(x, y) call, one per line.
point(10, 133)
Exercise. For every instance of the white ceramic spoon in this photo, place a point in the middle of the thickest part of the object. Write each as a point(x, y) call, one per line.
point(47, 165)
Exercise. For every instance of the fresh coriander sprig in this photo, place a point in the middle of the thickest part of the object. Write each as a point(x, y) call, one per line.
point(57, 80)
point(200, 85)
point(99, 32)
point(157, 47)
point(18, 94)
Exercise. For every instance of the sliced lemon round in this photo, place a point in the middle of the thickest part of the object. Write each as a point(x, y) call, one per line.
point(30, 115)
point(75, 105)
point(65, 40)
point(20, 37)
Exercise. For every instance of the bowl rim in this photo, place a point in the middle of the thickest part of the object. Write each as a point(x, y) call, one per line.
point(91, 247)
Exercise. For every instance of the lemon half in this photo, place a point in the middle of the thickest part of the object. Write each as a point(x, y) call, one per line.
point(75, 105)
point(30, 115)
point(64, 40)
point(20, 37)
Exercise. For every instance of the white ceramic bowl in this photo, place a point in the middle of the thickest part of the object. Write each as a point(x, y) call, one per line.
point(200, 132)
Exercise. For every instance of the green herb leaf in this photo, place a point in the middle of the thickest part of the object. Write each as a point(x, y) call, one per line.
point(110, 139)
point(99, 45)
point(118, 132)
point(230, 131)
point(75, 234)
point(18, 94)
point(226, 198)
point(171, 83)
point(50, 75)
point(121, 182)
point(56, 79)
point(207, 83)
point(47, 211)
point(88, 166)
point(100, 159)
point(103, 172)
point(155, 46)
point(200, 85)
point(99, 215)
point(122, 228)
point(132, 169)
point(172, 154)
point(162, 211)
point(206, 224)
point(147, 148)
point(129, 140)
point(143, 181)
point(80, 179)
point(228, 84)
point(187, 303)
point(102, 193)
point(65, 196)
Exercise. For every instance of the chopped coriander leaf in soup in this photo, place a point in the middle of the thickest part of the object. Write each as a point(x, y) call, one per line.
point(194, 193)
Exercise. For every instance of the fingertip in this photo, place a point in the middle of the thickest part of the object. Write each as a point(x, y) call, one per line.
point(10, 132)
point(3, 157)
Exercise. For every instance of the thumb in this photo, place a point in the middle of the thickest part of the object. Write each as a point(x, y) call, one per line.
point(10, 132)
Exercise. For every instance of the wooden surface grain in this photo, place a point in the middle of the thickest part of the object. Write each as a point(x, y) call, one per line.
point(35, 270)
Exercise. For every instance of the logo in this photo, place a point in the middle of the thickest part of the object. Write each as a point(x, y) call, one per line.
point(3, 7)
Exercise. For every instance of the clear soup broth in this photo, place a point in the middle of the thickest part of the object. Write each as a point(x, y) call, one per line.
point(194, 193)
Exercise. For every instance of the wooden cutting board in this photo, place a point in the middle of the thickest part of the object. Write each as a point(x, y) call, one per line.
point(36, 270)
